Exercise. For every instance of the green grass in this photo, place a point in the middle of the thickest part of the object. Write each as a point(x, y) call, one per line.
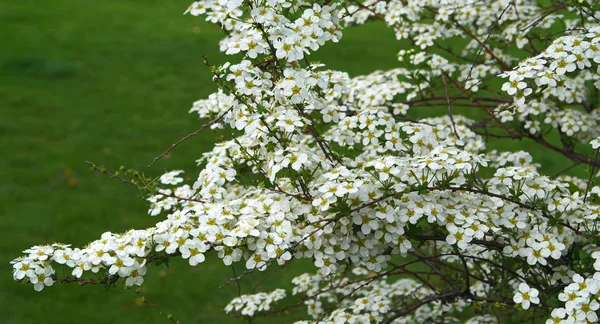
point(111, 82)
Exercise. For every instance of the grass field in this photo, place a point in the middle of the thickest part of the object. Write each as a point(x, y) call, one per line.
point(111, 82)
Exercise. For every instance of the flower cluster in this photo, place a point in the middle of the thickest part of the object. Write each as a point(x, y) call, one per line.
point(580, 301)
point(250, 304)
point(560, 72)
point(119, 255)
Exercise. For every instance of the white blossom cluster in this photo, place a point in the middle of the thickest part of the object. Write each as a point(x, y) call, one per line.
point(250, 304)
point(267, 27)
point(560, 72)
point(369, 302)
point(379, 200)
point(580, 301)
point(122, 255)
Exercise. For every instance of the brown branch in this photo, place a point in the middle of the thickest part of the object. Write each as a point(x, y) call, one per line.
point(269, 275)
point(441, 238)
point(589, 182)
point(172, 195)
point(111, 175)
point(412, 308)
point(239, 287)
point(118, 177)
point(449, 105)
point(540, 18)
point(487, 38)
point(454, 99)
point(571, 155)
point(194, 133)
point(249, 271)
point(567, 169)
point(503, 65)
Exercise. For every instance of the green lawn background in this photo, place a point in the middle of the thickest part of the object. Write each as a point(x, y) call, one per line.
point(111, 82)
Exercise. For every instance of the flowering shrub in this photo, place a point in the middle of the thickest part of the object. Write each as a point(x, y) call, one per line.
point(406, 219)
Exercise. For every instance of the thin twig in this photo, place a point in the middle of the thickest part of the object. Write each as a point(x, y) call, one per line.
point(110, 175)
point(239, 287)
point(194, 133)
point(249, 271)
point(118, 177)
point(540, 18)
point(512, 3)
point(155, 306)
point(449, 106)
point(587, 188)
point(566, 169)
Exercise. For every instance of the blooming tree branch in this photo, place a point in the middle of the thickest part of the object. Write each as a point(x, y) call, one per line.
point(406, 218)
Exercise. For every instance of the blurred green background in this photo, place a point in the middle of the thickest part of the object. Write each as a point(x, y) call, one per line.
point(111, 82)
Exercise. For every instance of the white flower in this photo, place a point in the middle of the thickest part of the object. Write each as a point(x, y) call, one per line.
point(24, 268)
point(136, 277)
point(42, 277)
point(511, 87)
point(67, 256)
point(192, 250)
point(120, 266)
point(558, 314)
point(170, 178)
point(526, 296)
point(595, 143)
point(196, 8)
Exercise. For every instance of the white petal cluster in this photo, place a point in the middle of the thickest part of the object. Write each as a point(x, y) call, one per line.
point(250, 304)
point(558, 75)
